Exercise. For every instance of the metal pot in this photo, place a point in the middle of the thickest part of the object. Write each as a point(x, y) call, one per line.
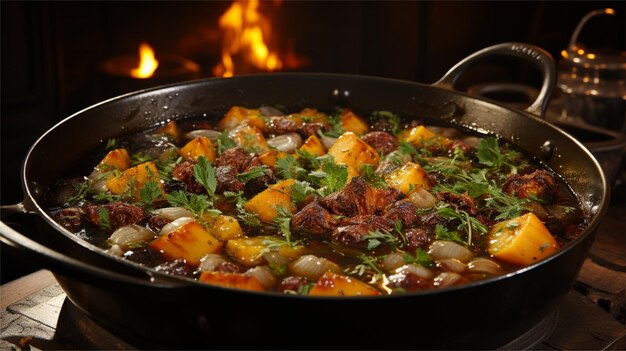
point(152, 311)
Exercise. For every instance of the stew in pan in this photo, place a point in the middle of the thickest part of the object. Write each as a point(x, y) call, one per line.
point(321, 203)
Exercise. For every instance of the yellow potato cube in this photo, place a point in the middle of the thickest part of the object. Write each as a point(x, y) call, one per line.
point(249, 138)
point(332, 284)
point(226, 228)
point(421, 136)
point(238, 115)
point(134, 179)
point(191, 242)
point(523, 240)
point(313, 145)
point(266, 203)
point(171, 129)
point(353, 152)
point(350, 122)
point(231, 280)
point(115, 159)
point(249, 251)
point(407, 178)
point(270, 157)
point(200, 146)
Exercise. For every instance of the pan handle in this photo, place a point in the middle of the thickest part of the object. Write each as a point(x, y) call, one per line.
point(533, 54)
point(24, 207)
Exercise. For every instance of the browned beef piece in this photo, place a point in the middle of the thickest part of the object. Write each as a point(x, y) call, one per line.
point(409, 282)
point(383, 142)
point(314, 219)
point(235, 158)
point(229, 267)
point(226, 177)
point(256, 185)
point(184, 172)
point(539, 184)
point(403, 211)
point(291, 283)
point(281, 125)
point(176, 267)
point(359, 198)
point(156, 222)
point(71, 218)
point(119, 214)
point(461, 202)
point(417, 238)
point(312, 128)
point(353, 231)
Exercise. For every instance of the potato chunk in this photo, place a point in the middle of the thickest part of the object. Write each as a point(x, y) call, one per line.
point(421, 136)
point(331, 284)
point(350, 122)
point(523, 240)
point(270, 157)
point(238, 115)
point(134, 179)
point(231, 280)
point(408, 178)
point(190, 241)
point(313, 145)
point(353, 152)
point(266, 203)
point(200, 146)
point(115, 159)
point(226, 228)
point(249, 251)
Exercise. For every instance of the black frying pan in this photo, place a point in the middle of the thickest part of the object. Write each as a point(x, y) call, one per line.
point(152, 311)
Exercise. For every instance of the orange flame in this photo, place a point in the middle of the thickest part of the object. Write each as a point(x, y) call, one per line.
point(245, 34)
point(147, 63)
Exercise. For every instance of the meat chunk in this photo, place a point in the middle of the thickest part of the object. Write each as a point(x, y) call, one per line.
point(291, 283)
point(538, 184)
point(403, 211)
point(311, 128)
point(314, 219)
point(184, 172)
point(462, 202)
point(71, 218)
point(226, 177)
point(417, 238)
point(353, 232)
point(383, 142)
point(359, 198)
point(236, 158)
point(156, 222)
point(409, 282)
point(281, 125)
point(118, 214)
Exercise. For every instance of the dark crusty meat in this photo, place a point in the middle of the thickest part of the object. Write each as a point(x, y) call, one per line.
point(226, 177)
point(281, 125)
point(71, 218)
point(235, 158)
point(359, 198)
point(156, 222)
point(539, 184)
point(184, 172)
point(353, 231)
point(291, 283)
point(417, 238)
point(256, 185)
point(229, 267)
point(461, 202)
point(383, 142)
point(403, 211)
point(314, 219)
point(409, 282)
point(119, 213)
point(312, 128)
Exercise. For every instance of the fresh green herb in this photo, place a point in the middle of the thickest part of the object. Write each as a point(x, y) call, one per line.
point(489, 154)
point(253, 173)
point(197, 204)
point(392, 118)
point(368, 174)
point(82, 189)
point(139, 158)
point(104, 221)
point(443, 233)
point(247, 218)
point(379, 237)
point(204, 173)
point(421, 258)
point(289, 168)
point(224, 142)
point(335, 123)
point(333, 177)
point(304, 289)
point(307, 160)
point(111, 144)
point(300, 191)
point(150, 192)
point(283, 220)
point(468, 224)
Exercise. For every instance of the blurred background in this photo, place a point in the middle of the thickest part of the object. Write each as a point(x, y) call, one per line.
point(60, 57)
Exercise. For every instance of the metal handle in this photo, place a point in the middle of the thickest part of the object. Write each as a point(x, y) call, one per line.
point(24, 207)
point(533, 54)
